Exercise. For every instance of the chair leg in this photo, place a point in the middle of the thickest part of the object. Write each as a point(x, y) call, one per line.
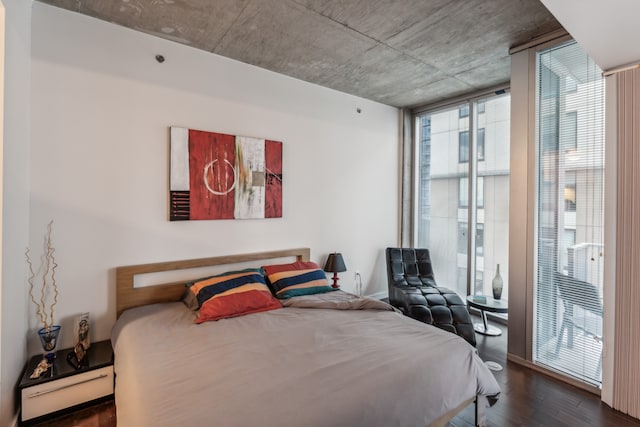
point(560, 335)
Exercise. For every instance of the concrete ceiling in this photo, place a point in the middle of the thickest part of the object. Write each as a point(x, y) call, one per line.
point(398, 52)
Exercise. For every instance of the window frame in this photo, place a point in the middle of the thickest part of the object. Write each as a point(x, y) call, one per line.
point(464, 120)
point(546, 234)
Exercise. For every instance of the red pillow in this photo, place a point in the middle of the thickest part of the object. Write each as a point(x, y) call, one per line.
point(231, 294)
point(298, 265)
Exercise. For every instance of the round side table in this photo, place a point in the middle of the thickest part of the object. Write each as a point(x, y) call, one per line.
point(491, 305)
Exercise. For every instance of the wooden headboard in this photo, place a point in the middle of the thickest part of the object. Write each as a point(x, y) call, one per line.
point(128, 296)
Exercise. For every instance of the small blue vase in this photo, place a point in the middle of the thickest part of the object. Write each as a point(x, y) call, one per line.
point(49, 340)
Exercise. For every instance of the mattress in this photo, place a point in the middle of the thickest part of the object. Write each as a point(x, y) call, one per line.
point(313, 363)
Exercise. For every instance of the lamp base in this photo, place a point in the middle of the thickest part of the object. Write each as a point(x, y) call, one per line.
point(335, 281)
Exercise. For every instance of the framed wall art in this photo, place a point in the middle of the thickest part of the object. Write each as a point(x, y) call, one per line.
point(220, 176)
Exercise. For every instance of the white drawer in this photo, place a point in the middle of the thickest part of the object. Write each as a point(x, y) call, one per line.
point(59, 394)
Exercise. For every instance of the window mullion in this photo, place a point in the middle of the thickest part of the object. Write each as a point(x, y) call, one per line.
point(471, 205)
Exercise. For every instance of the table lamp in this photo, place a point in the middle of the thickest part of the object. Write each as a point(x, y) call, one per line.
point(335, 265)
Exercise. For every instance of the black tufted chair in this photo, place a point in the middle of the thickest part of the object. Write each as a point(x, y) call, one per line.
point(413, 289)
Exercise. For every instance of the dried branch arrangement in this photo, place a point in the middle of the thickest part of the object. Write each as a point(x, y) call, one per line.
point(49, 287)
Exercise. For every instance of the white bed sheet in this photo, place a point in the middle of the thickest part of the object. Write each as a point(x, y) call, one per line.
point(290, 367)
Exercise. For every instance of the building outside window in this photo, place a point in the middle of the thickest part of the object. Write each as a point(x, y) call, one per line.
point(570, 191)
point(463, 229)
point(463, 146)
point(463, 192)
point(569, 131)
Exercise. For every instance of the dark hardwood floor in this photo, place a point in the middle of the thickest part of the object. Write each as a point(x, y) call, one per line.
point(528, 399)
point(535, 400)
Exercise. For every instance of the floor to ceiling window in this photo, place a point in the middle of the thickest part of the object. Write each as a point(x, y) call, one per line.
point(569, 213)
point(462, 179)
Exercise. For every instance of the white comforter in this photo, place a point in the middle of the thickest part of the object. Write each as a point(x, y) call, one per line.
point(292, 367)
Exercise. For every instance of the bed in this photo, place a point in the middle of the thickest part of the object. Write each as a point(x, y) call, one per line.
point(329, 359)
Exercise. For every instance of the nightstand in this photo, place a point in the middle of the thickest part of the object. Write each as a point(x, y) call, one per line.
point(62, 386)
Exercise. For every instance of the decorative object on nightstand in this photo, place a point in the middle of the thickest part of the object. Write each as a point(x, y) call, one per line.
point(49, 333)
point(335, 265)
point(497, 284)
point(49, 340)
point(77, 357)
point(42, 367)
point(65, 386)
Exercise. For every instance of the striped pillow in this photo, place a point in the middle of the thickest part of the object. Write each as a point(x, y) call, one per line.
point(298, 278)
point(231, 294)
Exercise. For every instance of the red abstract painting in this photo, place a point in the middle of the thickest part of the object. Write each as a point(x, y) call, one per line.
point(273, 186)
point(221, 176)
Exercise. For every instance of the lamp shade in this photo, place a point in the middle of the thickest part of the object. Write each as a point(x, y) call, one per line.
point(335, 263)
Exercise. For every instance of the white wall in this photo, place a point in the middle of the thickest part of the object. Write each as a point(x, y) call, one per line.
point(101, 109)
point(15, 195)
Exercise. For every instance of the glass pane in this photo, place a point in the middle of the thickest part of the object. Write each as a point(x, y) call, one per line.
point(444, 144)
point(463, 146)
point(480, 143)
point(442, 220)
point(570, 178)
point(463, 192)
